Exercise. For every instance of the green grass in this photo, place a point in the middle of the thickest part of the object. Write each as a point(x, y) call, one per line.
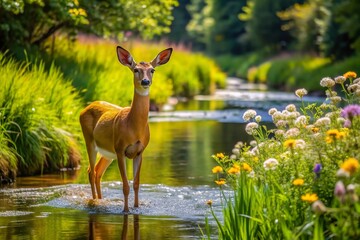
point(39, 112)
point(93, 66)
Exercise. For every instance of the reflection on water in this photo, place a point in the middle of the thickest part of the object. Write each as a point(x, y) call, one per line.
point(176, 182)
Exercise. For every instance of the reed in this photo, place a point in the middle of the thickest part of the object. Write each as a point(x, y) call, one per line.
point(38, 118)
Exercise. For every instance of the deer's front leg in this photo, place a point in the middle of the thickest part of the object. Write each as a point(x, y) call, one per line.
point(136, 173)
point(126, 188)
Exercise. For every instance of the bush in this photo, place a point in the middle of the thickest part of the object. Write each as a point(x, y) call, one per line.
point(301, 179)
point(39, 112)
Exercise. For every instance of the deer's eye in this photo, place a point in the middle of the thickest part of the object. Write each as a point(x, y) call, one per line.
point(136, 70)
point(152, 70)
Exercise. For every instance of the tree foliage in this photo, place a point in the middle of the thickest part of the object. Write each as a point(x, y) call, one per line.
point(31, 22)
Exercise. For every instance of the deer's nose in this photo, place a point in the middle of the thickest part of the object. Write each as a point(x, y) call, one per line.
point(145, 82)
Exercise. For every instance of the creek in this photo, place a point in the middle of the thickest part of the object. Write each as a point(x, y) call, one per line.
point(176, 178)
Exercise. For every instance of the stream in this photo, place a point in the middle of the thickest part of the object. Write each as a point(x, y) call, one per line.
point(176, 178)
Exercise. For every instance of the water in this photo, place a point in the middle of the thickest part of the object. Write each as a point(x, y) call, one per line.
point(176, 179)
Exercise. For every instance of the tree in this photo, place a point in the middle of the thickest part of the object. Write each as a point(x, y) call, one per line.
point(215, 24)
point(264, 26)
point(31, 22)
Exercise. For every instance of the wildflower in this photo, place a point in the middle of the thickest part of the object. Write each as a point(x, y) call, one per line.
point(331, 135)
point(350, 74)
point(249, 114)
point(351, 111)
point(342, 173)
point(277, 116)
point(270, 164)
point(335, 99)
point(327, 82)
point(290, 143)
point(220, 182)
point(317, 168)
point(236, 151)
point(310, 198)
point(281, 123)
point(258, 118)
point(298, 182)
point(220, 155)
point(301, 92)
point(209, 202)
point(340, 190)
point(279, 133)
point(299, 144)
point(292, 132)
point(353, 87)
point(318, 207)
point(301, 121)
point(217, 169)
point(291, 108)
point(272, 111)
point(246, 167)
point(251, 127)
point(324, 121)
point(234, 169)
point(350, 165)
point(340, 79)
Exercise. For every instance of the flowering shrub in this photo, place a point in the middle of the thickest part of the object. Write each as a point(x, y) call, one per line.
point(303, 174)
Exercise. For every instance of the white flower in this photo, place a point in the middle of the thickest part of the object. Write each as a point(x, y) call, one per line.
point(301, 92)
point(270, 164)
point(258, 118)
point(277, 116)
point(335, 99)
point(340, 79)
point(236, 151)
point(251, 127)
point(292, 133)
point(301, 121)
point(279, 133)
point(291, 108)
point(327, 82)
point(249, 114)
point(281, 123)
point(300, 144)
point(272, 111)
point(324, 121)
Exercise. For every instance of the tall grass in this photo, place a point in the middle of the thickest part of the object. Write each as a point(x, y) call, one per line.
point(93, 66)
point(39, 112)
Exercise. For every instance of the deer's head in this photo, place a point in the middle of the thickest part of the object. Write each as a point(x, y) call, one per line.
point(143, 71)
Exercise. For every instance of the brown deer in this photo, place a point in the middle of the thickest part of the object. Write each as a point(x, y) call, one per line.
point(119, 133)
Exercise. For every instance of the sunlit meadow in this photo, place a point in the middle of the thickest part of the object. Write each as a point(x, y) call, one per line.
point(299, 180)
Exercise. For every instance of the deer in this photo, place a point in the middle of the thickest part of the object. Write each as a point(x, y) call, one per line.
point(121, 132)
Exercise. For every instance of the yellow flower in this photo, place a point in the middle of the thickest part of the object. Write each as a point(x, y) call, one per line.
point(334, 133)
point(315, 130)
point(217, 169)
point(209, 202)
point(234, 170)
point(350, 74)
point(290, 143)
point(246, 167)
point(350, 165)
point(255, 159)
point(220, 182)
point(298, 182)
point(220, 155)
point(310, 198)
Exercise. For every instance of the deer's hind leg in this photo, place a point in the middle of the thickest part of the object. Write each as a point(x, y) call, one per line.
point(100, 168)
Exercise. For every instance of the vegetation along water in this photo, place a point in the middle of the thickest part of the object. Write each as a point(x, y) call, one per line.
point(222, 164)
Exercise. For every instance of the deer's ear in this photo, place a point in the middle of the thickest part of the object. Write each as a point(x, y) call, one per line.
point(125, 57)
point(162, 58)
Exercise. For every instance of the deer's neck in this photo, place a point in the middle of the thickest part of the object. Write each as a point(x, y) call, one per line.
point(139, 112)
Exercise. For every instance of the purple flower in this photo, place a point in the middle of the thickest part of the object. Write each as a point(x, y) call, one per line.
point(351, 111)
point(317, 169)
